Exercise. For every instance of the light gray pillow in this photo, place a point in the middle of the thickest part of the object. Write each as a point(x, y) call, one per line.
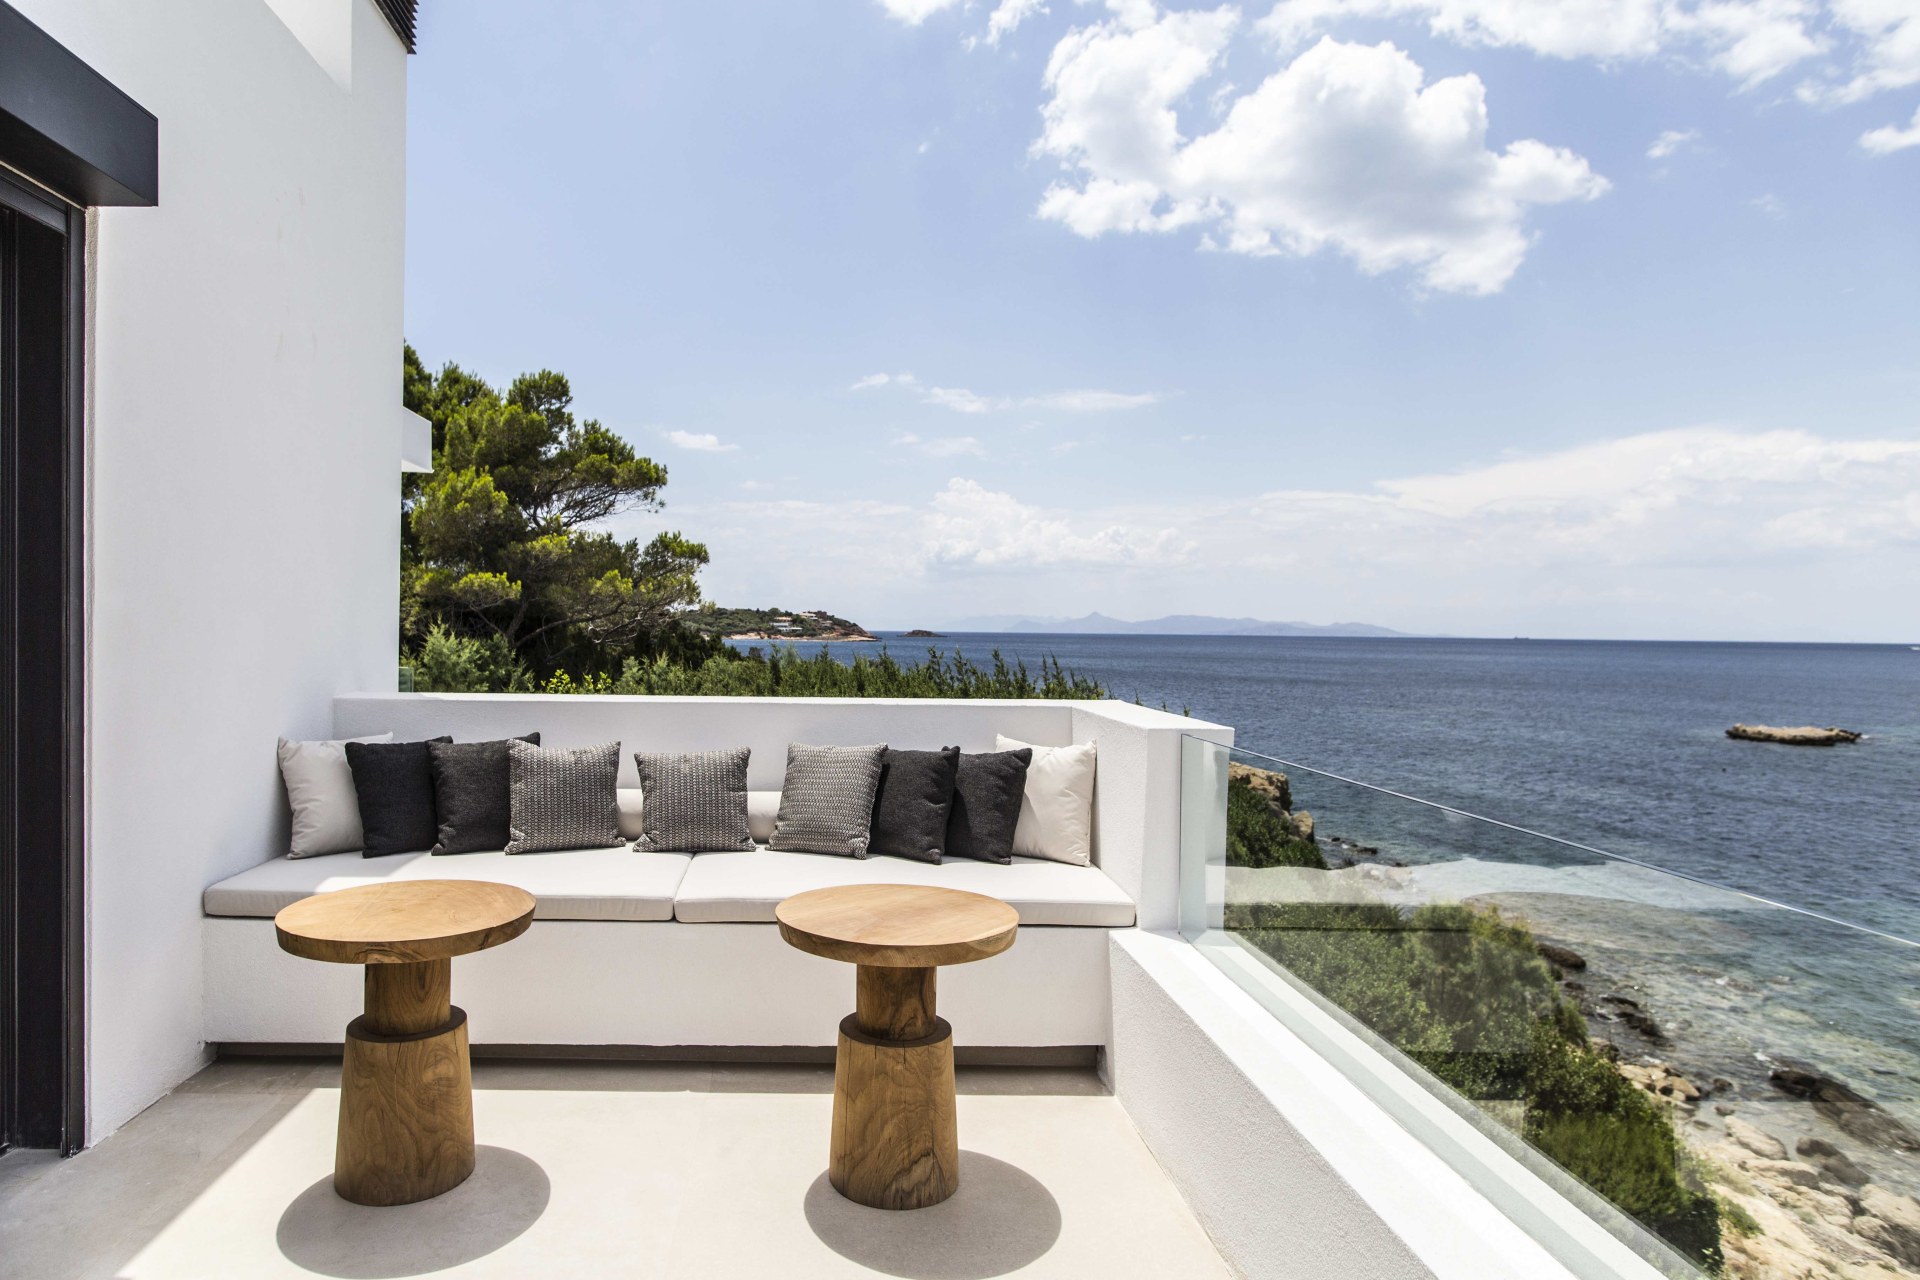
point(562, 798)
point(326, 808)
point(693, 801)
point(826, 802)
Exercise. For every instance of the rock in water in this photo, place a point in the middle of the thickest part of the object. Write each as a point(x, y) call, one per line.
point(1802, 736)
point(1832, 1161)
point(1564, 957)
point(1854, 1115)
point(1758, 1141)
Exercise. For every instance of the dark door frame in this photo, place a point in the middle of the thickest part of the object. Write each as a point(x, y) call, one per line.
point(43, 681)
point(69, 140)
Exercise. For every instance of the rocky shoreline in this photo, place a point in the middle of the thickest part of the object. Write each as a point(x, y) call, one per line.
point(1813, 1178)
point(1794, 1161)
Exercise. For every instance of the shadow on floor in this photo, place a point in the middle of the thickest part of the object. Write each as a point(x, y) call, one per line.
point(999, 1220)
point(506, 1194)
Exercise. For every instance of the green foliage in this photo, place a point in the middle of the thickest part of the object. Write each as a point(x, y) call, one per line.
point(1259, 837)
point(503, 539)
point(449, 663)
point(1462, 991)
point(783, 673)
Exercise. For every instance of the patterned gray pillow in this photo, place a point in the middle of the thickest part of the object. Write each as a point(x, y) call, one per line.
point(693, 801)
point(562, 798)
point(826, 802)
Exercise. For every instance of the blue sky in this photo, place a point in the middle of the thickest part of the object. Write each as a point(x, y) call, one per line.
point(1594, 318)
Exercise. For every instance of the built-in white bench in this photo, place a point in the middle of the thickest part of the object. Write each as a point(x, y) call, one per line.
point(639, 950)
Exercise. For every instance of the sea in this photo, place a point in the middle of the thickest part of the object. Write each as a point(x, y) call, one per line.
point(1617, 744)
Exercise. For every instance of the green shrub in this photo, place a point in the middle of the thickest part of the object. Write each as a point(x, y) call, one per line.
point(783, 673)
point(1461, 991)
point(449, 663)
point(1259, 837)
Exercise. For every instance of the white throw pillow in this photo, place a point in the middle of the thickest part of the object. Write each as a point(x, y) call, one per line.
point(1056, 812)
point(326, 808)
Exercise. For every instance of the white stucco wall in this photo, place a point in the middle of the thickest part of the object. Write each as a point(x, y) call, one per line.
point(245, 357)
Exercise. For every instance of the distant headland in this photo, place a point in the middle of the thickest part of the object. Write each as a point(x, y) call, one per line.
point(1179, 624)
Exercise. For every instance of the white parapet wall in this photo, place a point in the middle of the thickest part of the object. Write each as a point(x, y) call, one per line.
point(1292, 1162)
point(1136, 791)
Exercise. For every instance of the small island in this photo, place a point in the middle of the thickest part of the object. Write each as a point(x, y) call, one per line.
point(919, 634)
point(1800, 736)
point(773, 624)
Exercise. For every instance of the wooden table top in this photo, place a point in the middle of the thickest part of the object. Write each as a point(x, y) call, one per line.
point(404, 922)
point(897, 925)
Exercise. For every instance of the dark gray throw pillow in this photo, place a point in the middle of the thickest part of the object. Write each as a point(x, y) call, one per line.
point(987, 792)
point(693, 801)
point(911, 808)
point(394, 784)
point(472, 791)
point(826, 800)
point(562, 798)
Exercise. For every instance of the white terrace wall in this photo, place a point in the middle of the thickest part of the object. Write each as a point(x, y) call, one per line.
point(1136, 793)
point(244, 370)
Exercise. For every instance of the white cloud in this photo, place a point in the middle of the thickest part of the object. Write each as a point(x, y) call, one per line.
point(971, 527)
point(942, 446)
point(1751, 40)
point(1853, 48)
point(1770, 205)
point(1090, 401)
point(699, 441)
point(1698, 495)
point(1888, 139)
point(1297, 165)
point(1008, 15)
point(1671, 142)
point(1710, 532)
point(1886, 51)
point(962, 400)
point(915, 12)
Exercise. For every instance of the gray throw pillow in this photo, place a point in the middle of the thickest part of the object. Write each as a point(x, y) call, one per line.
point(563, 798)
point(826, 802)
point(693, 801)
point(473, 792)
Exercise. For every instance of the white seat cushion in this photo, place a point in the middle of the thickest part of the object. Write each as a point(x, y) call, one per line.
point(746, 886)
point(616, 883)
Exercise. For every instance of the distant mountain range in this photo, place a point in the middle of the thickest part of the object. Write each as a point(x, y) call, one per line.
point(1179, 624)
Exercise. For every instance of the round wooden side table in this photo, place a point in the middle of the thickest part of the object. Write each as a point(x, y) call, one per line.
point(406, 1086)
point(896, 1143)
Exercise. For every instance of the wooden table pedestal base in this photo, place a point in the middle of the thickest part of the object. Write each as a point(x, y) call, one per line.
point(406, 1090)
point(896, 1142)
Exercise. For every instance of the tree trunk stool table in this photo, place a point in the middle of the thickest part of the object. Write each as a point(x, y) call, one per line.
point(895, 1141)
point(406, 1086)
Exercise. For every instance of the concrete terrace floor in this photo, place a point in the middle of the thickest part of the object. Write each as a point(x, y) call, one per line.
point(605, 1170)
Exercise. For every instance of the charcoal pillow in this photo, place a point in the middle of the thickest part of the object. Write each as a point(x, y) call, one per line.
point(562, 798)
point(915, 798)
point(472, 792)
point(826, 801)
point(987, 791)
point(693, 801)
point(394, 783)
